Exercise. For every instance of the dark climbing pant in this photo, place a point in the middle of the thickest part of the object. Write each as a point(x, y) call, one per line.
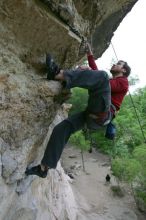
point(97, 83)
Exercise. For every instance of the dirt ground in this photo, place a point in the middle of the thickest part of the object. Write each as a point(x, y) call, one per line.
point(96, 199)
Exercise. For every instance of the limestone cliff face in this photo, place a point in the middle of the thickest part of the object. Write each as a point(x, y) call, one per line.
point(28, 106)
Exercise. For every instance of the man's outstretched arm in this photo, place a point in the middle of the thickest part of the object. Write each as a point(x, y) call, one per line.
point(90, 57)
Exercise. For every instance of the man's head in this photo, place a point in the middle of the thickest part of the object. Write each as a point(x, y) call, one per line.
point(121, 68)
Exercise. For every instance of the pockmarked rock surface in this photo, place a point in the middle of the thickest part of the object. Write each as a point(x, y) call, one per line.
point(29, 104)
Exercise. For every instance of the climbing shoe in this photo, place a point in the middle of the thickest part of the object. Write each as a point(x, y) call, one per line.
point(52, 67)
point(36, 171)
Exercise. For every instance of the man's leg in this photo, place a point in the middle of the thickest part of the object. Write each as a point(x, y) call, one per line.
point(97, 83)
point(59, 137)
point(55, 146)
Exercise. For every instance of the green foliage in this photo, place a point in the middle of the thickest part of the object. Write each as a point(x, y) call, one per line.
point(126, 169)
point(133, 169)
point(78, 100)
point(140, 194)
point(120, 149)
point(140, 155)
point(78, 140)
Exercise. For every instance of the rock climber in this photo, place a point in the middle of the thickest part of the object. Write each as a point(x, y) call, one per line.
point(105, 98)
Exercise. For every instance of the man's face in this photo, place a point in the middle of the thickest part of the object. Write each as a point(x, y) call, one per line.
point(117, 68)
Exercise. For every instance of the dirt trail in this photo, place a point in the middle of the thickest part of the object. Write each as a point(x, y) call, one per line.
point(94, 196)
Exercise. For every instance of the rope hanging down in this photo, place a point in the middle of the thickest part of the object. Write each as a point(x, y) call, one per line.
point(132, 101)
